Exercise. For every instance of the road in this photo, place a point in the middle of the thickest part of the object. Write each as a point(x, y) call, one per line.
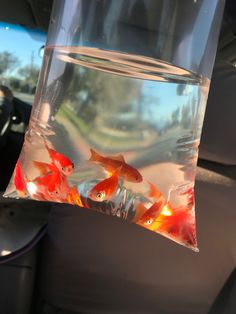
point(25, 97)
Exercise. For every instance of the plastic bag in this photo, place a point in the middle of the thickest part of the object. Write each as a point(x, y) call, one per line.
point(117, 130)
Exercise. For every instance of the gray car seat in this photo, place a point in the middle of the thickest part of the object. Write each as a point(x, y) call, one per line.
point(22, 222)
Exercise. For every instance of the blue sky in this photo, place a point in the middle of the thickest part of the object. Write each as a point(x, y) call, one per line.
point(23, 44)
point(164, 99)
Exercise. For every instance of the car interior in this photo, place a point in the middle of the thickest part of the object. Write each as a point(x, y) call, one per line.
point(57, 258)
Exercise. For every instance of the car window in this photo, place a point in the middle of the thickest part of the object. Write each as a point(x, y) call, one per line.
point(21, 51)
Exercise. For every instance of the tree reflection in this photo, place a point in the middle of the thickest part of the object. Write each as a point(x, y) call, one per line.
point(95, 96)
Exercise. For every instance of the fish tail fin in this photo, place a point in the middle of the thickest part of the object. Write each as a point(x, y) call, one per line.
point(73, 197)
point(154, 191)
point(139, 212)
point(43, 167)
point(94, 155)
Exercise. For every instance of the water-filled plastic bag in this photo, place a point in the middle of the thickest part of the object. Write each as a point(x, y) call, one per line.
point(118, 111)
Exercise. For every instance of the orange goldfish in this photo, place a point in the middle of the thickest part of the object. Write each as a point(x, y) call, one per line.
point(46, 187)
point(104, 189)
point(63, 163)
point(149, 217)
point(180, 225)
point(167, 207)
point(59, 179)
point(51, 180)
point(113, 163)
point(19, 180)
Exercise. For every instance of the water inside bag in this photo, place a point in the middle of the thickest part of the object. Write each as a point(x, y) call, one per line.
point(117, 133)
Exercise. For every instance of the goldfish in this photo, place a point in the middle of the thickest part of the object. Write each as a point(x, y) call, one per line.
point(51, 180)
point(180, 225)
point(150, 216)
point(45, 187)
point(19, 180)
point(58, 178)
point(105, 189)
point(63, 163)
point(147, 217)
point(113, 163)
point(167, 207)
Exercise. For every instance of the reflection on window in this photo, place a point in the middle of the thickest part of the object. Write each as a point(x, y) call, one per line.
point(20, 59)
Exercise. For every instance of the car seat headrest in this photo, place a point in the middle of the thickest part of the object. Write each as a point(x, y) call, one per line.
point(218, 142)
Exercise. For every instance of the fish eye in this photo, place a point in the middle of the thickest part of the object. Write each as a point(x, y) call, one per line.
point(100, 195)
point(149, 221)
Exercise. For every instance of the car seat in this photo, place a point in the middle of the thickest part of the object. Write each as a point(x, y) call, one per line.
point(22, 222)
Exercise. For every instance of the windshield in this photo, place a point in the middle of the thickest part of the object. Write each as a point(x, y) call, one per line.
point(21, 52)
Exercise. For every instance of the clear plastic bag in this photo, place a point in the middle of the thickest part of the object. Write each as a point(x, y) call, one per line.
point(118, 112)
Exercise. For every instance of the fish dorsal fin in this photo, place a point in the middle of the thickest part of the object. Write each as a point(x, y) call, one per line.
point(140, 211)
point(117, 157)
point(154, 191)
point(94, 155)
